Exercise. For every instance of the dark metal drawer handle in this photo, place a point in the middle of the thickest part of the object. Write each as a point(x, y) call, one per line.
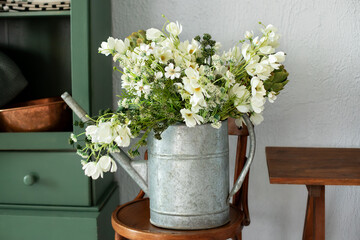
point(30, 179)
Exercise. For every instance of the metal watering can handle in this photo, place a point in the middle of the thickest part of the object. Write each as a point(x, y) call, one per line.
point(121, 157)
point(247, 165)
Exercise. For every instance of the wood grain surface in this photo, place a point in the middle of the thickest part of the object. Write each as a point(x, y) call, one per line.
point(132, 221)
point(313, 166)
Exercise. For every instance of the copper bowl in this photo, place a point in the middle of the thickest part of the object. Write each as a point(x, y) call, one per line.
point(47, 114)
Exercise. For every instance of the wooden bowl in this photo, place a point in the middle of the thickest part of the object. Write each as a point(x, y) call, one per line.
point(41, 115)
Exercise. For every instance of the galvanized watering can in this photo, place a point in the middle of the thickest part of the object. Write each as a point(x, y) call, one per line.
point(187, 174)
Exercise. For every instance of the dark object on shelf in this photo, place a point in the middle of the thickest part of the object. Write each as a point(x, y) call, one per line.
point(12, 82)
point(47, 114)
point(3, 8)
point(16, 5)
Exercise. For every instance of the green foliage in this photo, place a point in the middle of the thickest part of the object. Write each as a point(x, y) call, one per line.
point(277, 81)
point(79, 124)
point(207, 49)
point(136, 38)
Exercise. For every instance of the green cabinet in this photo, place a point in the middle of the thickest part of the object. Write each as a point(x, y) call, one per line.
point(59, 223)
point(44, 193)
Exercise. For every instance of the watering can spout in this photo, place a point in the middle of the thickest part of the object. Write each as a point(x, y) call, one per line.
point(136, 169)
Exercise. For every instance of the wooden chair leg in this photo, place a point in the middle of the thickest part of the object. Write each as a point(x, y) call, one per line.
point(237, 237)
point(118, 237)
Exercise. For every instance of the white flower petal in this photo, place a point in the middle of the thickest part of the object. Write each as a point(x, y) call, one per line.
point(104, 163)
point(113, 166)
point(154, 34)
point(256, 119)
point(191, 118)
point(174, 28)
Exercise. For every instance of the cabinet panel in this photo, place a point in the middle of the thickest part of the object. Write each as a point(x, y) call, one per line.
point(35, 141)
point(51, 178)
point(70, 223)
point(58, 226)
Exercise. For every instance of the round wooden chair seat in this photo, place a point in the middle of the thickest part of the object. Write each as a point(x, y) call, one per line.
point(132, 221)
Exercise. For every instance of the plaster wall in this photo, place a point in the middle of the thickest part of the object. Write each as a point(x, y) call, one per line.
point(319, 107)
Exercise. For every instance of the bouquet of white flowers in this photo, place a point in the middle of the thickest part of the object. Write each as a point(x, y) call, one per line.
point(166, 81)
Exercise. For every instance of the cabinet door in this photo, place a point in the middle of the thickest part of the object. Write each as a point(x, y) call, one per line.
point(46, 178)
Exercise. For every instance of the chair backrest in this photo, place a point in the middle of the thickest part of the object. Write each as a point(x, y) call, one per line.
point(240, 199)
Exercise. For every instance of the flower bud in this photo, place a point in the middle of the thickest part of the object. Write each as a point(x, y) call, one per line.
point(249, 34)
point(174, 28)
point(154, 34)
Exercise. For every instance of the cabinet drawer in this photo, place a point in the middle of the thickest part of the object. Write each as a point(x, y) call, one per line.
point(46, 178)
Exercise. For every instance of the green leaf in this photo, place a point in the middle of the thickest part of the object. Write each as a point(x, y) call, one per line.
point(280, 75)
point(276, 87)
point(277, 80)
point(268, 84)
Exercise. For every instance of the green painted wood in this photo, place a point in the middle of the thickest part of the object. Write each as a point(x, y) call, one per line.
point(100, 65)
point(104, 219)
point(80, 61)
point(35, 14)
point(34, 140)
point(96, 72)
point(59, 178)
point(58, 224)
point(99, 186)
point(93, 208)
point(51, 227)
point(80, 53)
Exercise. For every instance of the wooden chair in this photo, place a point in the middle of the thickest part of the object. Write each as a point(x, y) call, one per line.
point(131, 220)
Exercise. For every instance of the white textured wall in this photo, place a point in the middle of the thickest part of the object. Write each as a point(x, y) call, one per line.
point(319, 107)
